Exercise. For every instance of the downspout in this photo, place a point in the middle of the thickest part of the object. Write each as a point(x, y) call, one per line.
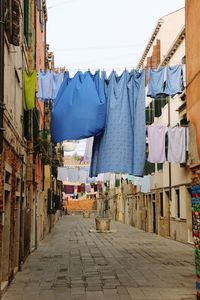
point(170, 173)
point(21, 248)
point(2, 26)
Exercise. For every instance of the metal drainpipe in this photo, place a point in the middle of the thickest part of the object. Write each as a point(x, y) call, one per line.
point(21, 244)
point(2, 26)
point(170, 171)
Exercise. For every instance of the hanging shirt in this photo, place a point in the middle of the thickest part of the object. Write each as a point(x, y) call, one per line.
point(88, 150)
point(83, 173)
point(80, 108)
point(62, 174)
point(100, 177)
point(29, 90)
point(113, 151)
point(156, 140)
point(137, 181)
point(174, 80)
point(145, 184)
point(177, 145)
point(88, 188)
point(73, 175)
point(45, 80)
point(57, 79)
point(156, 80)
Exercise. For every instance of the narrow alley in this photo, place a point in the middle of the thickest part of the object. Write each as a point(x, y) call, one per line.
point(74, 263)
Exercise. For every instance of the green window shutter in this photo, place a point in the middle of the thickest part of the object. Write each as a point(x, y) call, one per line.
point(159, 167)
point(27, 134)
point(149, 168)
point(36, 125)
point(147, 111)
point(49, 202)
point(27, 21)
point(117, 183)
point(158, 108)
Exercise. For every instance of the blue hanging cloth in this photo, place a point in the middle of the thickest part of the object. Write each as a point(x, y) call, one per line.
point(174, 80)
point(156, 82)
point(113, 151)
point(79, 110)
point(137, 106)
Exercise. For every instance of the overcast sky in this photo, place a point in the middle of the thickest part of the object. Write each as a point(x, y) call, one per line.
point(103, 33)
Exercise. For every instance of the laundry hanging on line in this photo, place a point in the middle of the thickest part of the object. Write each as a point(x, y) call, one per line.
point(167, 81)
point(48, 85)
point(88, 150)
point(73, 174)
point(121, 148)
point(177, 144)
point(80, 108)
point(156, 143)
point(29, 89)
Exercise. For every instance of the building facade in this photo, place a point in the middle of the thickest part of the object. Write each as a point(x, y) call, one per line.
point(30, 195)
point(166, 210)
point(193, 108)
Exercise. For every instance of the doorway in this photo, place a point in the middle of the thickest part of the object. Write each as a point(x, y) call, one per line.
point(154, 217)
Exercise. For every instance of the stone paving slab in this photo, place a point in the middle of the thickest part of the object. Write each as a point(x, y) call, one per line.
point(74, 263)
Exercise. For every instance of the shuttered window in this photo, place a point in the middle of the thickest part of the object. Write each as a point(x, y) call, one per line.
point(150, 113)
point(27, 126)
point(27, 33)
point(36, 125)
point(12, 21)
point(159, 103)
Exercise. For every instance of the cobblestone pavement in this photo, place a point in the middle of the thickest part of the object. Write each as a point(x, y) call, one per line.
point(72, 263)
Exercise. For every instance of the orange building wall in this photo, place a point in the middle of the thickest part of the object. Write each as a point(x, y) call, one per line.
point(81, 205)
point(193, 64)
point(40, 64)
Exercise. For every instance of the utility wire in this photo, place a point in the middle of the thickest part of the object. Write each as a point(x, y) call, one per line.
point(62, 3)
point(99, 47)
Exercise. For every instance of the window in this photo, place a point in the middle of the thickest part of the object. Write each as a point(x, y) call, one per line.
point(149, 168)
point(7, 177)
point(159, 166)
point(12, 21)
point(178, 213)
point(27, 126)
point(150, 113)
point(159, 103)
point(18, 184)
point(161, 205)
